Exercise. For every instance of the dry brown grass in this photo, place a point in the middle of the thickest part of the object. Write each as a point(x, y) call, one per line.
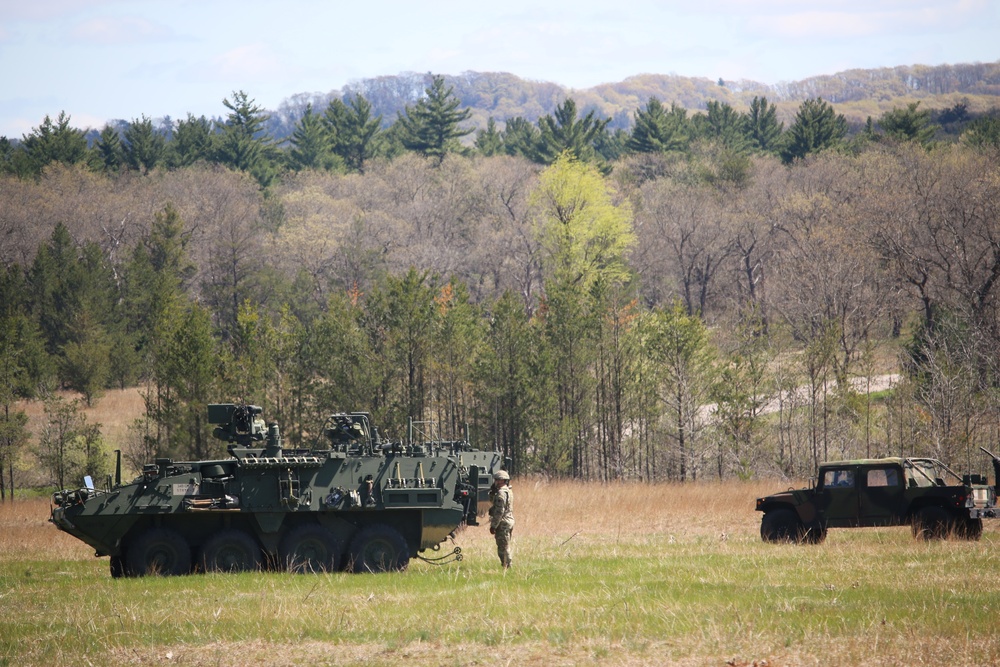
point(114, 411)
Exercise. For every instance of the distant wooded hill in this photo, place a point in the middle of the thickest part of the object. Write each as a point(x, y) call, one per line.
point(856, 93)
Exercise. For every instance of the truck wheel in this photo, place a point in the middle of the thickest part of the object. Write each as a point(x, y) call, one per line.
point(931, 523)
point(310, 549)
point(814, 533)
point(117, 567)
point(231, 550)
point(378, 548)
point(158, 551)
point(969, 529)
point(780, 525)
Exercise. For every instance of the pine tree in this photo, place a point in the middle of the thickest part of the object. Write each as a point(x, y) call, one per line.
point(108, 152)
point(520, 138)
point(355, 136)
point(761, 126)
point(191, 142)
point(984, 132)
point(186, 374)
point(54, 283)
point(506, 382)
point(144, 147)
point(816, 128)
point(908, 124)
point(723, 124)
point(311, 145)
point(563, 133)
point(54, 142)
point(488, 141)
point(431, 126)
point(658, 131)
point(244, 144)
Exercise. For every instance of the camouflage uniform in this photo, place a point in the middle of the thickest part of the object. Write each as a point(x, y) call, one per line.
point(502, 519)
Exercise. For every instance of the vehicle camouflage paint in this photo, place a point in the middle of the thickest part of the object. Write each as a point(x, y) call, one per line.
point(920, 492)
point(360, 504)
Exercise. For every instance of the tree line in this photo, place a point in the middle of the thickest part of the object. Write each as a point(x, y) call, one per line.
point(346, 135)
point(705, 303)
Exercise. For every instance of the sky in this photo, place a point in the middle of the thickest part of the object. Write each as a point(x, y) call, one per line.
point(98, 60)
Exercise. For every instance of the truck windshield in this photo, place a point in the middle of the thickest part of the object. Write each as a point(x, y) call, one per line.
point(931, 472)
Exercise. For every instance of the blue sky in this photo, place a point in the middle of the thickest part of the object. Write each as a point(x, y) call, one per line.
point(103, 59)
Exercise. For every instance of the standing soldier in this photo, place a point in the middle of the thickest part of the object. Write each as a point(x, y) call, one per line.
point(502, 514)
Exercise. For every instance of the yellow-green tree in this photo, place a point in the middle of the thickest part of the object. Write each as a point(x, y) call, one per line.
point(585, 235)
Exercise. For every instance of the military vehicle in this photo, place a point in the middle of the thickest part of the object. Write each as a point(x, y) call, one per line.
point(920, 492)
point(358, 503)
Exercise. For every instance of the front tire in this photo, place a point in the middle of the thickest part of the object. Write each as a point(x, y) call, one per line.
point(378, 548)
point(231, 550)
point(781, 525)
point(158, 551)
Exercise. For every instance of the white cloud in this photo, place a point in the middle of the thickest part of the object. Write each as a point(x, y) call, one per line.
point(125, 30)
point(247, 61)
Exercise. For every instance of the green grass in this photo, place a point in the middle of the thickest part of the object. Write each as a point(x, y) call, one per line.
point(688, 593)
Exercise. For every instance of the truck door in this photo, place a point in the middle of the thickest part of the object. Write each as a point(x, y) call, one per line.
point(838, 496)
point(881, 495)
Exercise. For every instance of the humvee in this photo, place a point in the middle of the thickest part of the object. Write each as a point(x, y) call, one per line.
point(920, 492)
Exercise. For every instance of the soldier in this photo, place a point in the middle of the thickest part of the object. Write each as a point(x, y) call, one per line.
point(502, 514)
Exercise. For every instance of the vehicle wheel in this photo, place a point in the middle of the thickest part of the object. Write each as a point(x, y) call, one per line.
point(815, 533)
point(117, 567)
point(158, 551)
point(310, 548)
point(231, 550)
point(780, 525)
point(931, 523)
point(969, 529)
point(378, 548)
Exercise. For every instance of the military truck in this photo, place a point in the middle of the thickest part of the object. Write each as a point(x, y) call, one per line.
point(920, 492)
point(358, 503)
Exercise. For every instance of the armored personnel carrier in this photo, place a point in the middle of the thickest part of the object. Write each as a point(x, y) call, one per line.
point(359, 503)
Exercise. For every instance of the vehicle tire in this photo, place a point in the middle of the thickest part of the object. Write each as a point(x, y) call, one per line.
point(310, 548)
point(969, 529)
point(117, 567)
point(781, 525)
point(158, 551)
point(814, 533)
point(378, 548)
point(232, 550)
point(931, 523)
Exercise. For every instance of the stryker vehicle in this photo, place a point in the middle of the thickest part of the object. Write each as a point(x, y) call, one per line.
point(920, 492)
point(361, 504)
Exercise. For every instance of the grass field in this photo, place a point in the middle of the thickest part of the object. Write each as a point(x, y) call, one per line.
point(603, 574)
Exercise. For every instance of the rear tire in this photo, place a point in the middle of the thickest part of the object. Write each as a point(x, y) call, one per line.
point(158, 551)
point(378, 548)
point(310, 548)
point(781, 525)
point(969, 529)
point(931, 523)
point(117, 567)
point(231, 550)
